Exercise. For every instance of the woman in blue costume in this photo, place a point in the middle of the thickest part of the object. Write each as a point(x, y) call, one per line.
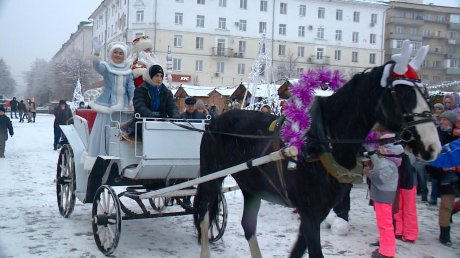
point(116, 96)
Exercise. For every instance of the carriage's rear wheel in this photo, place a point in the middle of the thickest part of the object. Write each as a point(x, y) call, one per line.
point(65, 181)
point(217, 227)
point(106, 219)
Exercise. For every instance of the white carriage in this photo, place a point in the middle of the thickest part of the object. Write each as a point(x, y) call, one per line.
point(168, 154)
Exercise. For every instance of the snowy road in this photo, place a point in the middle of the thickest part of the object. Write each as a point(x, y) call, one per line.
point(31, 225)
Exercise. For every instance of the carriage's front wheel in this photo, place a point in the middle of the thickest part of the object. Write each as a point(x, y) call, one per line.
point(106, 219)
point(217, 227)
point(65, 181)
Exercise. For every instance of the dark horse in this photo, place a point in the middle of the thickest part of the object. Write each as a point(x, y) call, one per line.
point(350, 113)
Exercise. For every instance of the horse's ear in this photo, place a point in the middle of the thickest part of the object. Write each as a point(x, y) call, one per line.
point(402, 59)
point(417, 62)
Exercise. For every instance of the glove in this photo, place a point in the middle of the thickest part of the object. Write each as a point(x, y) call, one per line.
point(96, 46)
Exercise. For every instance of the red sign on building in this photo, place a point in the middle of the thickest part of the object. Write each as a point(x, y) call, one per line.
point(181, 78)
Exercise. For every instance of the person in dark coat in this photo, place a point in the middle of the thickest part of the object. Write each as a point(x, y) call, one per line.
point(152, 99)
point(62, 116)
point(5, 128)
point(22, 110)
point(190, 110)
point(14, 108)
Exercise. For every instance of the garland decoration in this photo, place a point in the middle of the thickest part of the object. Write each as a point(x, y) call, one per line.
point(302, 95)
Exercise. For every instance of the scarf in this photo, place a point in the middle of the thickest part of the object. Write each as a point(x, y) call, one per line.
point(155, 97)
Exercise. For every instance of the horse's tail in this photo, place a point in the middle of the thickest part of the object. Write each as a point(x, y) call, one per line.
point(207, 196)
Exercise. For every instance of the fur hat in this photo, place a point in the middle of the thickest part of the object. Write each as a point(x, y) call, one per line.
point(154, 69)
point(190, 101)
point(449, 115)
point(121, 46)
point(439, 105)
point(142, 43)
point(62, 102)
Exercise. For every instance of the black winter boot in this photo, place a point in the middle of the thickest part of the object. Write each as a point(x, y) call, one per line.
point(444, 237)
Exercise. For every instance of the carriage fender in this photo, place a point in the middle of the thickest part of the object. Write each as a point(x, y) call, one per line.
point(73, 138)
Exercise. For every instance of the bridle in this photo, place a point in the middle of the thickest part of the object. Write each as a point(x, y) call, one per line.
point(408, 121)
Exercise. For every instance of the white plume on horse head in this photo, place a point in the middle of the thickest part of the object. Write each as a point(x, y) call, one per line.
point(402, 59)
point(417, 61)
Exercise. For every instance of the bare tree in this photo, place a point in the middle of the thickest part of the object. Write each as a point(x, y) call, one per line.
point(66, 72)
point(7, 83)
point(286, 68)
point(38, 82)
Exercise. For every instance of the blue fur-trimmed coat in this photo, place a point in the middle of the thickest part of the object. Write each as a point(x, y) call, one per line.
point(118, 90)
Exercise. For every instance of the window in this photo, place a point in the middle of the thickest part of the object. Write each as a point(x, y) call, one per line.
point(242, 25)
point(262, 27)
point(399, 30)
point(241, 46)
point(320, 33)
point(373, 19)
point(338, 55)
point(200, 21)
point(222, 23)
point(355, 37)
point(222, 3)
point(299, 70)
point(177, 64)
point(356, 16)
point(283, 8)
point(372, 38)
point(321, 12)
point(241, 69)
point(178, 18)
point(372, 58)
point(302, 10)
point(413, 31)
point(220, 67)
point(263, 5)
point(320, 53)
point(301, 51)
point(244, 4)
point(301, 32)
point(338, 35)
point(338, 14)
point(282, 50)
point(178, 40)
point(282, 29)
point(200, 1)
point(199, 65)
point(354, 57)
point(199, 42)
point(139, 16)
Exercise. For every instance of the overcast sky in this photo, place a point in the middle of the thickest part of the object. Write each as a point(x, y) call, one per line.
point(33, 29)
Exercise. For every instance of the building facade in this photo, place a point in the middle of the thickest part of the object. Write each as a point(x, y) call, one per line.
point(431, 25)
point(216, 42)
point(79, 43)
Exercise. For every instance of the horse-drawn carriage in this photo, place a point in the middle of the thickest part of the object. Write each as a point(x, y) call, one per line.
point(168, 154)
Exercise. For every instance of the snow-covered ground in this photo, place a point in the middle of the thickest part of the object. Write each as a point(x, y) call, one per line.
point(31, 226)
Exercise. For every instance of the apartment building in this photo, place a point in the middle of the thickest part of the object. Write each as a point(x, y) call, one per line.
point(436, 26)
point(78, 44)
point(216, 42)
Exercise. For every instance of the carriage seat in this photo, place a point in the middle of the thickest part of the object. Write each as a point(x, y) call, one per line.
point(89, 115)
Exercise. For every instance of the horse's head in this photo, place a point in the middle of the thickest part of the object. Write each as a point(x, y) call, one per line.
point(403, 108)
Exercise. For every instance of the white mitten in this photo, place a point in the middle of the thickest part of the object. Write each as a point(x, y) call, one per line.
point(96, 46)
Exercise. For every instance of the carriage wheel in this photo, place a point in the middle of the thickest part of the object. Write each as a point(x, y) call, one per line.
point(217, 228)
point(158, 203)
point(106, 220)
point(65, 181)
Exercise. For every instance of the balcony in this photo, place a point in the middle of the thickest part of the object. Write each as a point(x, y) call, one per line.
point(453, 71)
point(454, 26)
point(322, 61)
point(404, 36)
point(406, 21)
point(222, 52)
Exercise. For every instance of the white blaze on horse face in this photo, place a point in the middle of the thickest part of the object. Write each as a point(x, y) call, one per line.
point(427, 131)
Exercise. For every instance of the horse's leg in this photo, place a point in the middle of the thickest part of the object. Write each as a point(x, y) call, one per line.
point(309, 237)
point(249, 223)
point(204, 226)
